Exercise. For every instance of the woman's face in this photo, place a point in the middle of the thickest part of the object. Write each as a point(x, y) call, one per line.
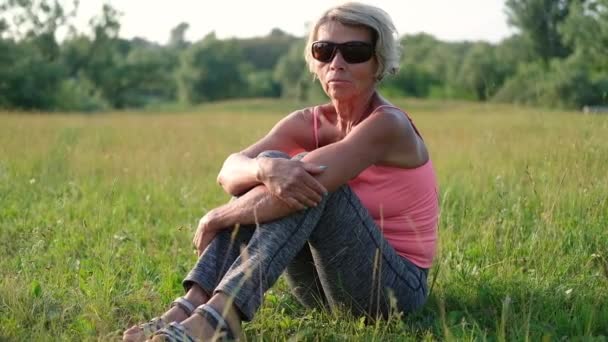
point(341, 80)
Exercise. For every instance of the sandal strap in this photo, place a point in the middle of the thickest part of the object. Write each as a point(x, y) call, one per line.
point(175, 332)
point(152, 326)
point(215, 319)
point(184, 304)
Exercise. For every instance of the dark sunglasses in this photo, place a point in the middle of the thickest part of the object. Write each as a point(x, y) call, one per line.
point(352, 52)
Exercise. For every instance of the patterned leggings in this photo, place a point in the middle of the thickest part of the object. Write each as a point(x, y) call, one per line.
point(333, 255)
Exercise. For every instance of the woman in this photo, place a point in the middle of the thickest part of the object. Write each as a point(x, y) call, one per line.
point(351, 222)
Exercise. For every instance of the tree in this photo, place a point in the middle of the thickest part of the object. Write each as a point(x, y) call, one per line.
point(31, 72)
point(291, 72)
point(264, 52)
point(586, 30)
point(539, 20)
point(430, 67)
point(211, 69)
point(481, 73)
point(177, 37)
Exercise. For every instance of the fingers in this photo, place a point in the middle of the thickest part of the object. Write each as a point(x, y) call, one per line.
point(311, 181)
point(307, 195)
point(313, 168)
point(202, 241)
point(294, 203)
point(312, 184)
point(306, 201)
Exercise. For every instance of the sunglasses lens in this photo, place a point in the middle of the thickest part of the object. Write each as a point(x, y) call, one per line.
point(323, 51)
point(356, 52)
point(352, 52)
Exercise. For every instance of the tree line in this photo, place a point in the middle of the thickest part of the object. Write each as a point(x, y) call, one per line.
point(557, 58)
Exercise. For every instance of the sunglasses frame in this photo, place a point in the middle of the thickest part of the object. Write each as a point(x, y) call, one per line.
point(343, 47)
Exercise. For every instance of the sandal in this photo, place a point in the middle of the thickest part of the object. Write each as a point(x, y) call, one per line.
point(217, 321)
point(176, 332)
point(155, 324)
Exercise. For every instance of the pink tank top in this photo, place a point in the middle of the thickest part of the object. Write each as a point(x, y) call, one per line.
point(403, 202)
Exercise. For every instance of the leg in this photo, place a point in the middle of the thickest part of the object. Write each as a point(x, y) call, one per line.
point(211, 267)
point(355, 263)
point(302, 277)
point(223, 250)
point(357, 267)
point(303, 280)
point(219, 256)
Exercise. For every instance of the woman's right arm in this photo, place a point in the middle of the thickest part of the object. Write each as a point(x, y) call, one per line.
point(288, 179)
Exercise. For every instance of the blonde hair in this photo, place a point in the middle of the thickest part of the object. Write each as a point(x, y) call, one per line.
point(384, 33)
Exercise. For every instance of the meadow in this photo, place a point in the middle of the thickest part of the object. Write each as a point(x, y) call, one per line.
point(97, 214)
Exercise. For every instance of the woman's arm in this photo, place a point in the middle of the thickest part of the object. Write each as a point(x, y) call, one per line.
point(241, 171)
point(383, 138)
point(377, 139)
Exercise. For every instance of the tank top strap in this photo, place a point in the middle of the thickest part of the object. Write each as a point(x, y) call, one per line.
point(406, 115)
point(315, 125)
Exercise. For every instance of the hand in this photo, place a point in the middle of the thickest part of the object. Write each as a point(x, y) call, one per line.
point(292, 181)
point(205, 232)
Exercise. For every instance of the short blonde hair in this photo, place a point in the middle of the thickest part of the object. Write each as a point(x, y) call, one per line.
point(384, 33)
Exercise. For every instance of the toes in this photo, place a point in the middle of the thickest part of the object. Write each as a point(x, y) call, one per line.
point(133, 334)
point(132, 330)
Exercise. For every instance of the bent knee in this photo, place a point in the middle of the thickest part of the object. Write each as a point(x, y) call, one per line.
point(299, 156)
point(273, 154)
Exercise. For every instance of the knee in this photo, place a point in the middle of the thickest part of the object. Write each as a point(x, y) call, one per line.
point(273, 154)
point(299, 156)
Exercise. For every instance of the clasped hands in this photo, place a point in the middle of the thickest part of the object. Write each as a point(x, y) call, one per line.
point(291, 181)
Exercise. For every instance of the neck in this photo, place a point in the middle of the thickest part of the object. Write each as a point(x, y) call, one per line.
point(350, 112)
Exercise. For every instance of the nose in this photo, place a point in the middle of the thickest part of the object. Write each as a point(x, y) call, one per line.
point(337, 62)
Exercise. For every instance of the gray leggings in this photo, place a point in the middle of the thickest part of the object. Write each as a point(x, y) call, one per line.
point(333, 256)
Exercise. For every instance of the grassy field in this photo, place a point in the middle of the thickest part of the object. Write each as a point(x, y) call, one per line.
point(97, 214)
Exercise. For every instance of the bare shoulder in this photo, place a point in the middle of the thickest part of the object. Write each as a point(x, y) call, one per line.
point(292, 121)
point(403, 145)
point(390, 123)
point(298, 117)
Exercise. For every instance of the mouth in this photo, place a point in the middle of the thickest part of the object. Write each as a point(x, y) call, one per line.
point(337, 81)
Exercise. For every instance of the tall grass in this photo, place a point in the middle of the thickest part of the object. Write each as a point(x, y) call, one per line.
point(97, 214)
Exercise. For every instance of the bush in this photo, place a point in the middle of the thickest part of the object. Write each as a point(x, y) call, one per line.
point(79, 95)
point(564, 83)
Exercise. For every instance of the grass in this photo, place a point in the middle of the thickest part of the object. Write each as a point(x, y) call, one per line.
point(97, 214)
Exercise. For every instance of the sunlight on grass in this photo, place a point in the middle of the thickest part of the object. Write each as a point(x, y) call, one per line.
point(97, 214)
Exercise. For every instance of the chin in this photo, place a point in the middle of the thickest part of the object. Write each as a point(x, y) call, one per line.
point(341, 93)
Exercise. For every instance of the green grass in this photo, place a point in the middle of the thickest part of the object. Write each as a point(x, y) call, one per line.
point(97, 214)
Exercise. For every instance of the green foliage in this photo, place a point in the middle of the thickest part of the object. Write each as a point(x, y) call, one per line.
point(292, 73)
point(210, 70)
point(262, 84)
point(263, 53)
point(586, 32)
point(79, 95)
point(539, 20)
point(27, 78)
point(562, 44)
point(481, 72)
point(564, 83)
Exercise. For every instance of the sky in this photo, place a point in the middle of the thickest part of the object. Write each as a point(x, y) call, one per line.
point(451, 20)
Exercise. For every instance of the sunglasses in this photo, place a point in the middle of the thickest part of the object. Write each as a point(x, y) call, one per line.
point(353, 52)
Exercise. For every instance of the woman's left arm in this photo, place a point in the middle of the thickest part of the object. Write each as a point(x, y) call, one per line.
point(373, 141)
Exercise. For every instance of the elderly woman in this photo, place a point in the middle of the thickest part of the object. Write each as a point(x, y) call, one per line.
point(351, 220)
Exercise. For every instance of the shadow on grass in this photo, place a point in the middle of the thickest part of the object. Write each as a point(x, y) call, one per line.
point(515, 310)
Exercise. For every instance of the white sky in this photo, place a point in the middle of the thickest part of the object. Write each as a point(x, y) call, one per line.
point(153, 20)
